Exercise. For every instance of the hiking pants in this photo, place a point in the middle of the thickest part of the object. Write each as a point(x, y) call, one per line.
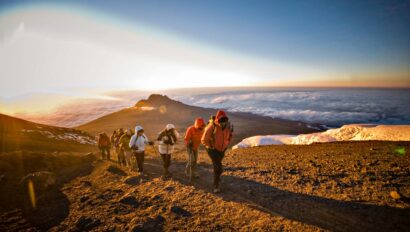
point(105, 152)
point(216, 157)
point(128, 155)
point(121, 157)
point(192, 162)
point(166, 158)
point(139, 156)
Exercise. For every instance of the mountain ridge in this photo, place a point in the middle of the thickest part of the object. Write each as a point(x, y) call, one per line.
point(20, 134)
point(158, 110)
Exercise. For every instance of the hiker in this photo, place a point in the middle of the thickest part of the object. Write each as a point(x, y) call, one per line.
point(193, 137)
point(113, 138)
point(124, 157)
point(167, 139)
point(104, 145)
point(216, 138)
point(137, 144)
point(120, 133)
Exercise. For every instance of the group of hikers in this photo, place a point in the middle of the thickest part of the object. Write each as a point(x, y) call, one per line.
point(215, 136)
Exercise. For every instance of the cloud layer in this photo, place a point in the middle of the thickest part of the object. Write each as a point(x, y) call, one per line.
point(332, 107)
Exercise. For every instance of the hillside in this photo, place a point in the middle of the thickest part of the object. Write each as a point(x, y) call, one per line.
point(157, 111)
point(18, 134)
point(341, 186)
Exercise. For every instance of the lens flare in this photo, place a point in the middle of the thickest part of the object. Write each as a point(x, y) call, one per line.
point(400, 151)
point(32, 193)
point(162, 109)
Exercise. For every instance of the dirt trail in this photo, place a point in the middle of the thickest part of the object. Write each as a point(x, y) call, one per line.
point(322, 187)
point(256, 196)
point(330, 214)
point(115, 199)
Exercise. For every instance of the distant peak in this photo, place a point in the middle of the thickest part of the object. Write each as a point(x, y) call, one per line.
point(158, 97)
point(156, 100)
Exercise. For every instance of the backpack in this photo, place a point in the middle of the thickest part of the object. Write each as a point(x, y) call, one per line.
point(124, 144)
point(171, 138)
point(104, 141)
point(228, 125)
point(117, 139)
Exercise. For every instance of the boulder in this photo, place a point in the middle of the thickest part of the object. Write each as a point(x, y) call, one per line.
point(130, 200)
point(180, 211)
point(86, 223)
point(41, 180)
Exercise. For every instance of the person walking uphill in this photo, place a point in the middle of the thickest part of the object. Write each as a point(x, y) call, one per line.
point(120, 133)
point(167, 139)
point(124, 156)
point(113, 138)
point(216, 138)
point(193, 137)
point(137, 144)
point(104, 145)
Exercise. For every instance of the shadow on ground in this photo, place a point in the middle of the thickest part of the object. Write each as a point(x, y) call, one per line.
point(51, 205)
point(329, 214)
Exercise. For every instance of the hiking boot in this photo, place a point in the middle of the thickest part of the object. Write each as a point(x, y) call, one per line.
point(143, 174)
point(193, 178)
point(167, 174)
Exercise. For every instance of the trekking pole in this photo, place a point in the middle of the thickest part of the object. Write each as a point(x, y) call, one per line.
point(190, 174)
point(155, 151)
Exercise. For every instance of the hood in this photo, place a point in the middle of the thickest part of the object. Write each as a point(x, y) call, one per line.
point(199, 122)
point(170, 126)
point(219, 115)
point(138, 128)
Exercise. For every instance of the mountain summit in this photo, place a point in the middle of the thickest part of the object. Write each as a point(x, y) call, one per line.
point(157, 100)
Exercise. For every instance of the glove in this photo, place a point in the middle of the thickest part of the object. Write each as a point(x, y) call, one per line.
point(151, 143)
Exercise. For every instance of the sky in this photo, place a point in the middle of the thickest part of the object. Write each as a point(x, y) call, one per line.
point(50, 51)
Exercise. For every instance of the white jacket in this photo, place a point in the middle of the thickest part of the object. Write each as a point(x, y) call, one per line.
point(138, 141)
point(166, 148)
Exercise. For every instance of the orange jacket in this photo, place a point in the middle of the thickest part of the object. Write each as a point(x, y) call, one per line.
point(215, 137)
point(194, 134)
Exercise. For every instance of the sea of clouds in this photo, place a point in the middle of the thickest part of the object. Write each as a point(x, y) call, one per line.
point(333, 107)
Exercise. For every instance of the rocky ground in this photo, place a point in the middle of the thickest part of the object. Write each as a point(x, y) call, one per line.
point(349, 186)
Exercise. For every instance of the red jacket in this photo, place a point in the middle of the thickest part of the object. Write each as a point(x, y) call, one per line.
point(215, 137)
point(194, 134)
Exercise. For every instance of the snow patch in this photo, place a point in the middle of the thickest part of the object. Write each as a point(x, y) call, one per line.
point(263, 140)
point(147, 108)
point(353, 132)
point(64, 136)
